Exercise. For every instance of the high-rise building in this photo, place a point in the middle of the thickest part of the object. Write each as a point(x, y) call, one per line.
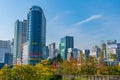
point(52, 50)
point(37, 34)
point(65, 43)
point(20, 37)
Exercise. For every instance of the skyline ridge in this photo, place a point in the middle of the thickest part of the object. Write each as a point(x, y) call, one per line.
point(104, 27)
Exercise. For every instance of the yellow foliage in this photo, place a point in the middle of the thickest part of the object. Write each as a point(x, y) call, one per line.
point(98, 72)
point(44, 62)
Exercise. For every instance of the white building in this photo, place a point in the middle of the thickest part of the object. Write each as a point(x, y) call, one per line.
point(25, 53)
point(113, 49)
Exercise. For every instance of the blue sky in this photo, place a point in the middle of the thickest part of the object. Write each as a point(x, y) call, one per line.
point(89, 21)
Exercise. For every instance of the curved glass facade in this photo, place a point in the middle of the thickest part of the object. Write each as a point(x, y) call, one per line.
point(37, 34)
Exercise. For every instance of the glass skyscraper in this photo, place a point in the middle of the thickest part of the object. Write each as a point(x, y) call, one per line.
point(65, 43)
point(37, 34)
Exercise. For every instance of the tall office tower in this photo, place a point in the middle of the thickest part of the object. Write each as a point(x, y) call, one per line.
point(20, 37)
point(37, 34)
point(52, 50)
point(65, 43)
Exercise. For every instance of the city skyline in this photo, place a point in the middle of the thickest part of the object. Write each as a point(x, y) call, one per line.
point(88, 21)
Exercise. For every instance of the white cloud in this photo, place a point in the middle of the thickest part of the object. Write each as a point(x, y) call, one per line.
point(54, 19)
point(59, 17)
point(87, 20)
